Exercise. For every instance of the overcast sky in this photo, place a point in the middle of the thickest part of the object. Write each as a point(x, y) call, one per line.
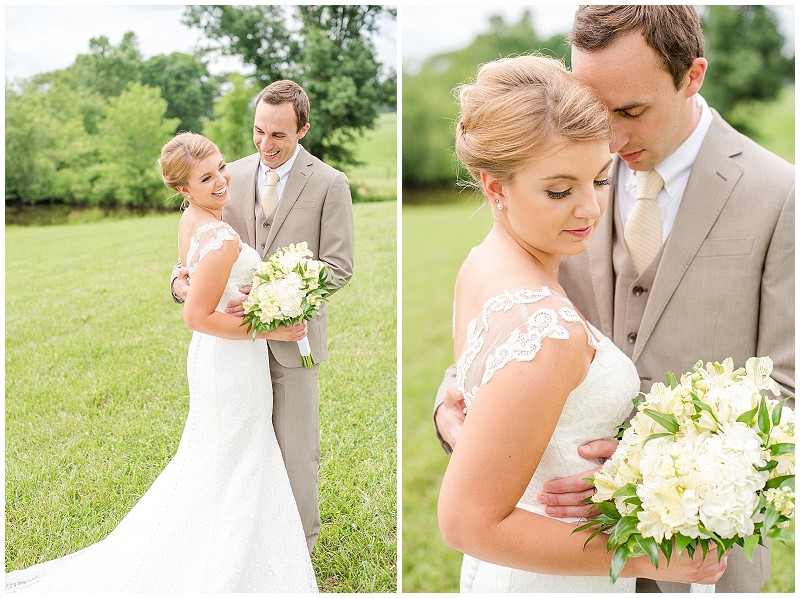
point(45, 38)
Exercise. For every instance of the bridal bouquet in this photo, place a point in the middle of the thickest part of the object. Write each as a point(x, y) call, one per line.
point(706, 459)
point(288, 287)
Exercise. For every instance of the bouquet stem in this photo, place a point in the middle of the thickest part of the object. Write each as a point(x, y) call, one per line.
point(702, 588)
point(305, 353)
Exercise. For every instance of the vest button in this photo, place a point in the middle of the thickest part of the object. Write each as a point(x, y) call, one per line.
point(263, 245)
point(637, 291)
point(632, 337)
point(265, 225)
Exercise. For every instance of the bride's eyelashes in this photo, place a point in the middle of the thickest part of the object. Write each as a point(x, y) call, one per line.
point(567, 192)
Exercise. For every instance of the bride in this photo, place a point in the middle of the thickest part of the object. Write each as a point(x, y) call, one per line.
point(221, 517)
point(537, 379)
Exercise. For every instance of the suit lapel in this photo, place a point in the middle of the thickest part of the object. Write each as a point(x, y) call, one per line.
point(711, 182)
point(298, 177)
point(601, 269)
point(239, 213)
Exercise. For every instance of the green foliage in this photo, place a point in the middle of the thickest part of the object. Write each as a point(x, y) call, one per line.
point(95, 404)
point(106, 69)
point(430, 109)
point(329, 53)
point(130, 136)
point(232, 127)
point(186, 86)
point(744, 47)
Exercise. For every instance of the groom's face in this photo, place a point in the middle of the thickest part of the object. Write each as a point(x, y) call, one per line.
point(650, 117)
point(275, 133)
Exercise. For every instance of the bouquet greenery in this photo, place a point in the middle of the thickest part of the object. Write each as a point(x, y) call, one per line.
point(706, 459)
point(288, 287)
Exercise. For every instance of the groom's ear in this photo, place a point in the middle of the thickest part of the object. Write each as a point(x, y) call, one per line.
point(492, 188)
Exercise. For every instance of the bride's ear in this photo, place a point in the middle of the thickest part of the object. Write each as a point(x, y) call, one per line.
point(492, 188)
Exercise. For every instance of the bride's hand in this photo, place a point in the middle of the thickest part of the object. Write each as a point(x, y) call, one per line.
point(681, 569)
point(564, 497)
point(291, 333)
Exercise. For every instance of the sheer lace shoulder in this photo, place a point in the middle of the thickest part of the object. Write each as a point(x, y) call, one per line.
point(209, 237)
point(511, 327)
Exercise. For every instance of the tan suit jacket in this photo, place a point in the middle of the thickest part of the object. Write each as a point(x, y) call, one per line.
point(315, 207)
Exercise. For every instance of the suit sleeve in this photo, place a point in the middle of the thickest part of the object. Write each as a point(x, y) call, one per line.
point(449, 378)
point(337, 236)
point(174, 275)
point(776, 312)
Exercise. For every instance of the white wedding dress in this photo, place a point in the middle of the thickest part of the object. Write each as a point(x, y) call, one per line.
point(221, 516)
point(513, 327)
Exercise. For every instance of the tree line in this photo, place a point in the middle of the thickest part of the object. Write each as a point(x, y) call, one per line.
point(90, 134)
point(747, 58)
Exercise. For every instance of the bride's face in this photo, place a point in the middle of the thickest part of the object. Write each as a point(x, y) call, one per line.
point(555, 202)
point(208, 183)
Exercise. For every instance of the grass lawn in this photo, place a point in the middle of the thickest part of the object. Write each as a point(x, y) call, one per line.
point(436, 239)
point(96, 392)
point(376, 178)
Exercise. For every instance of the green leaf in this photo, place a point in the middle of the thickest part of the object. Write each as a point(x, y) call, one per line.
point(667, 421)
point(782, 448)
point(626, 490)
point(749, 417)
point(769, 466)
point(609, 510)
point(672, 380)
point(763, 416)
point(750, 547)
point(666, 549)
point(618, 562)
point(650, 548)
point(703, 406)
point(777, 411)
point(784, 480)
point(623, 530)
point(771, 517)
point(681, 543)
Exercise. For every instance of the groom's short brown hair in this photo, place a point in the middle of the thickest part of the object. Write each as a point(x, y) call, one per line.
point(284, 90)
point(674, 32)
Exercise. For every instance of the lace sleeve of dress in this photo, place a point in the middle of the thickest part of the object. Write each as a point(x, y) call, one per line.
point(512, 327)
point(209, 237)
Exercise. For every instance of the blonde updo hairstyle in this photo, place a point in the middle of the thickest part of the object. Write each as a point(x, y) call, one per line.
point(180, 155)
point(519, 108)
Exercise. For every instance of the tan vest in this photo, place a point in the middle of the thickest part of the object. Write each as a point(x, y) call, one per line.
point(262, 224)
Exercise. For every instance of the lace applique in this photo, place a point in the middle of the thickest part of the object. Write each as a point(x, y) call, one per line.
point(498, 337)
point(206, 240)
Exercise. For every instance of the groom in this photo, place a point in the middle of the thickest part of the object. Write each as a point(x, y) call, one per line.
point(719, 281)
point(313, 205)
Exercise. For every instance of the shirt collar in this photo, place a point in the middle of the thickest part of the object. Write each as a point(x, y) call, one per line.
point(283, 169)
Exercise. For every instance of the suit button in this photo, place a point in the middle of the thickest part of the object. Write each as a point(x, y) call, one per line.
point(263, 245)
point(265, 225)
point(637, 291)
point(632, 337)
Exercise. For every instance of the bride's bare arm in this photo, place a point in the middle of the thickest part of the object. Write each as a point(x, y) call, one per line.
point(503, 439)
point(208, 284)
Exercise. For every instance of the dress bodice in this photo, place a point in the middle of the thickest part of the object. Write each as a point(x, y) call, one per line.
point(210, 237)
point(513, 326)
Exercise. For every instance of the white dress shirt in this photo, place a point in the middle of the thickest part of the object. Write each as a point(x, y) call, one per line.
point(675, 171)
point(283, 173)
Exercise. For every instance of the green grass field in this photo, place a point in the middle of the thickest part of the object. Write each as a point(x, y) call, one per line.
point(96, 392)
point(376, 178)
point(436, 239)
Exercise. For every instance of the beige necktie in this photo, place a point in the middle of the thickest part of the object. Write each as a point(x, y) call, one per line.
point(269, 199)
point(643, 228)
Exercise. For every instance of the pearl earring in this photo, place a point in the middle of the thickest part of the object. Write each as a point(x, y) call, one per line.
point(499, 205)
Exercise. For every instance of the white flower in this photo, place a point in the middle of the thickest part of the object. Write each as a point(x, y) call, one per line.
point(782, 499)
point(758, 370)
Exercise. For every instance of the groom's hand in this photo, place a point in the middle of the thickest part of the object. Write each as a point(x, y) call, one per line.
point(234, 306)
point(450, 415)
point(563, 497)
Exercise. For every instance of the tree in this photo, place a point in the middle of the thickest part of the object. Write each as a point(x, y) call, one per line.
point(130, 139)
point(328, 50)
point(108, 69)
point(186, 85)
point(744, 48)
point(232, 127)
